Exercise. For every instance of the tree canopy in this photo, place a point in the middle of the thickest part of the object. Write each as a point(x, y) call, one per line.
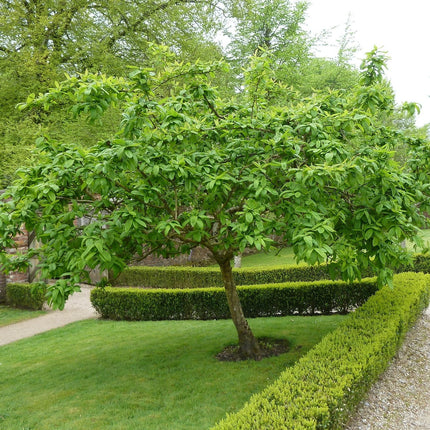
point(189, 168)
point(41, 41)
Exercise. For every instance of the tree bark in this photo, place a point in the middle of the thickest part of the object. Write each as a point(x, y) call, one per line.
point(248, 344)
point(2, 286)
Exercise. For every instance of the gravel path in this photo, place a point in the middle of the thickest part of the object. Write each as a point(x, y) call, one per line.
point(400, 399)
point(77, 308)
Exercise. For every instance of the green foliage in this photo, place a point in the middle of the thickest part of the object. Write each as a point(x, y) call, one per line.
point(202, 277)
point(195, 169)
point(103, 37)
point(210, 303)
point(373, 67)
point(199, 277)
point(323, 388)
point(418, 159)
point(323, 74)
point(29, 296)
point(169, 277)
point(421, 263)
point(41, 41)
point(276, 26)
point(12, 158)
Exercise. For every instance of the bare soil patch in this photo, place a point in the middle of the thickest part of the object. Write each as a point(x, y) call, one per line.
point(269, 347)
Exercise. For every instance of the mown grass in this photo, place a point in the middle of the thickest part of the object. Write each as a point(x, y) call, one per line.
point(140, 375)
point(10, 315)
point(270, 258)
point(286, 255)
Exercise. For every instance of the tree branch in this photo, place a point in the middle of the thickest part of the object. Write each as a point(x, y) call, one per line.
point(212, 108)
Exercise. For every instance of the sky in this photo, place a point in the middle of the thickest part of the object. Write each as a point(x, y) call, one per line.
point(402, 28)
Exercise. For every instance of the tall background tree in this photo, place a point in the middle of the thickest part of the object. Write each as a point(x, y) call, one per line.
point(335, 73)
point(275, 26)
point(279, 26)
point(41, 40)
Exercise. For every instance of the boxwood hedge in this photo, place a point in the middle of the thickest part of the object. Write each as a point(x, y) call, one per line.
point(322, 388)
point(210, 303)
point(28, 296)
point(199, 277)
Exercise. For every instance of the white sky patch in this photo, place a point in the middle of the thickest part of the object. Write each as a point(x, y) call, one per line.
point(402, 28)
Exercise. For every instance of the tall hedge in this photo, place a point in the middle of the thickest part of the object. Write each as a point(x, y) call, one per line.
point(322, 388)
point(210, 303)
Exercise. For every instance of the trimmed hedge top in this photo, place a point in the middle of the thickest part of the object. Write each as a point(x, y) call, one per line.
point(303, 298)
point(202, 277)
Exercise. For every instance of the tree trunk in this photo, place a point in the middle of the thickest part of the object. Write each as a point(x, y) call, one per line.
point(248, 344)
point(2, 286)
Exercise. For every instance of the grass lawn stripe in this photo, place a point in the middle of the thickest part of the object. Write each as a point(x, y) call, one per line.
point(140, 375)
point(10, 315)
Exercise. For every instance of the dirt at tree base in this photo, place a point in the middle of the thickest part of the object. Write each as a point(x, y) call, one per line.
point(269, 347)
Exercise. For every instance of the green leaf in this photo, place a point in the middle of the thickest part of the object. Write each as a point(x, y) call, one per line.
point(128, 225)
point(308, 240)
point(368, 234)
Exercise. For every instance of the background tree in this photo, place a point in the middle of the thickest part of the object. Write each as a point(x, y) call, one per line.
point(276, 26)
point(334, 73)
point(41, 40)
point(193, 169)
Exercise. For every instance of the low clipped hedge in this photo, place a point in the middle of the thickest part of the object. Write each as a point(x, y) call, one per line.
point(211, 303)
point(421, 263)
point(199, 277)
point(323, 388)
point(27, 296)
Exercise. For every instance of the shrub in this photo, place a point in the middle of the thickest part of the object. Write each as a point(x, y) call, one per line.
point(28, 296)
point(323, 387)
point(421, 263)
point(199, 277)
point(210, 303)
point(169, 277)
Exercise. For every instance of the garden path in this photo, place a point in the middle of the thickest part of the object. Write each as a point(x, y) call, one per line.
point(400, 399)
point(77, 308)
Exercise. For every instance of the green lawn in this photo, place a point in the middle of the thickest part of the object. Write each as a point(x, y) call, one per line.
point(272, 258)
point(286, 255)
point(140, 375)
point(10, 315)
